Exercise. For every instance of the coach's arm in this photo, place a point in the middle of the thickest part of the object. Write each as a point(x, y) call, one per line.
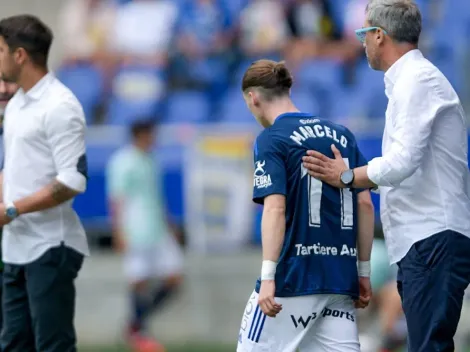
point(416, 106)
point(65, 130)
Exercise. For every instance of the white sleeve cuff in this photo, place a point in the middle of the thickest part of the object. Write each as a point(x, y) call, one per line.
point(72, 179)
point(374, 172)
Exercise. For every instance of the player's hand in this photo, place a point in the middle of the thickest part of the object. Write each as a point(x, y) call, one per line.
point(266, 299)
point(325, 169)
point(365, 292)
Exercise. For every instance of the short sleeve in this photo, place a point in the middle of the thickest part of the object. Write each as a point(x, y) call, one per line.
point(269, 176)
point(65, 129)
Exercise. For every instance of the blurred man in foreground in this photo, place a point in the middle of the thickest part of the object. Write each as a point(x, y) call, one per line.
point(141, 231)
point(7, 90)
point(44, 243)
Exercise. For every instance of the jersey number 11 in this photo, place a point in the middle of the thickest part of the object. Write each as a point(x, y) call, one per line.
point(315, 189)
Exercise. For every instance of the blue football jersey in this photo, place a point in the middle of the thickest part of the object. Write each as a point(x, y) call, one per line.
point(319, 251)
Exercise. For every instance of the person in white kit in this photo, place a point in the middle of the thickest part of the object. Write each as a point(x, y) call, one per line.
point(141, 230)
point(422, 176)
point(45, 167)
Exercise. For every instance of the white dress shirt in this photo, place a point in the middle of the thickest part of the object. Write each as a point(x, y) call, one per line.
point(44, 131)
point(423, 174)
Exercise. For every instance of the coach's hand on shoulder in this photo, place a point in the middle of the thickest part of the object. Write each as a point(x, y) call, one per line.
point(266, 299)
point(4, 219)
point(325, 169)
point(365, 292)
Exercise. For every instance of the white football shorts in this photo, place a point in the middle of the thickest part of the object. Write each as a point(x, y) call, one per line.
point(314, 323)
point(161, 260)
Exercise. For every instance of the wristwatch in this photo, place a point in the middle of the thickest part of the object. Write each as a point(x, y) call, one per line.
point(10, 211)
point(347, 177)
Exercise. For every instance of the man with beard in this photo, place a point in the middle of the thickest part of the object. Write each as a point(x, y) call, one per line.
point(43, 242)
point(7, 90)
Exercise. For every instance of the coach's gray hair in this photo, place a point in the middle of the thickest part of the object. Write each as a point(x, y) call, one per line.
point(401, 19)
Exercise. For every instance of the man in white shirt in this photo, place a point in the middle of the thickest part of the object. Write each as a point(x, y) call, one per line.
point(45, 168)
point(423, 176)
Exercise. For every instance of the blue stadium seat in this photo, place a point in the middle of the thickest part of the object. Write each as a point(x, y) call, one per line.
point(323, 78)
point(450, 62)
point(235, 6)
point(348, 104)
point(233, 108)
point(86, 82)
point(327, 74)
point(305, 101)
point(370, 90)
point(137, 92)
point(370, 147)
point(187, 106)
point(338, 10)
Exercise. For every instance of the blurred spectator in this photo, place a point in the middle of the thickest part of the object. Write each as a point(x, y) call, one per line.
point(85, 28)
point(204, 35)
point(316, 34)
point(143, 31)
point(263, 29)
point(354, 18)
point(309, 19)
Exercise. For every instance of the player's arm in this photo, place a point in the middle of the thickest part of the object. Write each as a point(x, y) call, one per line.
point(365, 235)
point(118, 180)
point(273, 226)
point(270, 190)
point(65, 130)
point(115, 213)
point(365, 239)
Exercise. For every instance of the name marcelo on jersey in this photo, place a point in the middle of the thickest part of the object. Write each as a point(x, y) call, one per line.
point(318, 249)
point(318, 131)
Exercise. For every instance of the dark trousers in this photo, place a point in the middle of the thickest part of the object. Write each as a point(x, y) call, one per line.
point(39, 303)
point(432, 278)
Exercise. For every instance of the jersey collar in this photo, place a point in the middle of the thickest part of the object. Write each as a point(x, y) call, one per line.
point(293, 114)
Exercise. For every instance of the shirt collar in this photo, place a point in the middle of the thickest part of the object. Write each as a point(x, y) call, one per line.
point(293, 114)
point(38, 89)
point(394, 71)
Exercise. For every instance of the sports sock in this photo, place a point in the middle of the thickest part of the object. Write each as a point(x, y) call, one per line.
point(161, 295)
point(141, 306)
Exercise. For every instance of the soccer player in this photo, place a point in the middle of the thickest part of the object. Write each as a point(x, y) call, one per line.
point(141, 231)
point(311, 279)
point(45, 167)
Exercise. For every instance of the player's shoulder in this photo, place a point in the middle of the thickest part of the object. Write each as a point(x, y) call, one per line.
point(121, 159)
point(269, 138)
